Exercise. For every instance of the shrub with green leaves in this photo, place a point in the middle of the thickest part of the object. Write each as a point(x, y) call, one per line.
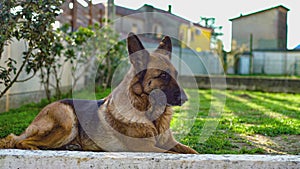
point(30, 21)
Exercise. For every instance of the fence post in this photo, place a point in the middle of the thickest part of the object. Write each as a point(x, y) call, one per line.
point(251, 53)
point(7, 102)
point(286, 72)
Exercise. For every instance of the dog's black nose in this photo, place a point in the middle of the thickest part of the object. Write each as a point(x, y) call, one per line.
point(183, 95)
point(183, 98)
point(180, 99)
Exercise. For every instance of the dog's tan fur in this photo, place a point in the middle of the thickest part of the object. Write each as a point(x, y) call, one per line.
point(142, 126)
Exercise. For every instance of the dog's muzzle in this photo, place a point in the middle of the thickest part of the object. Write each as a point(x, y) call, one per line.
point(180, 99)
point(176, 97)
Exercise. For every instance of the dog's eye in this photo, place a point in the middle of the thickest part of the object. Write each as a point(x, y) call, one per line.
point(164, 76)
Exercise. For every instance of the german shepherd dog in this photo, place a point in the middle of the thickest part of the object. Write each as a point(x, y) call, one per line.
point(135, 117)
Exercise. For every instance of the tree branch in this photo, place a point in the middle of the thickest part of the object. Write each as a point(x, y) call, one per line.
point(17, 75)
point(23, 80)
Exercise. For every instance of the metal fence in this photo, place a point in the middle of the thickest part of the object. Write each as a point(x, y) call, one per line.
point(271, 63)
point(190, 62)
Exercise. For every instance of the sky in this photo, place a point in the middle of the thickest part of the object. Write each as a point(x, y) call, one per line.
point(223, 10)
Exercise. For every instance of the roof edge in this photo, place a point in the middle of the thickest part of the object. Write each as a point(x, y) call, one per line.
point(264, 10)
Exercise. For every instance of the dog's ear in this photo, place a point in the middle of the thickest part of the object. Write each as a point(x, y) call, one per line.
point(165, 47)
point(138, 55)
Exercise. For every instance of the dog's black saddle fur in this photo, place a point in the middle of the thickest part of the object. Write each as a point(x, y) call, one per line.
point(86, 112)
point(79, 103)
point(85, 109)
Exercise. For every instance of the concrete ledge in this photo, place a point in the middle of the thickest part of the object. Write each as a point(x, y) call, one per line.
point(73, 159)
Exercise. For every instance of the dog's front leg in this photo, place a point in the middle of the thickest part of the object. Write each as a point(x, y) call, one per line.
point(144, 145)
point(181, 148)
point(168, 142)
point(158, 150)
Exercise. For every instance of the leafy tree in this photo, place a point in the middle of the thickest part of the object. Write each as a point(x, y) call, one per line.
point(68, 49)
point(48, 51)
point(76, 52)
point(235, 54)
point(108, 51)
point(216, 43)
point(84, 49)
point(31, 21)
point(217, 30)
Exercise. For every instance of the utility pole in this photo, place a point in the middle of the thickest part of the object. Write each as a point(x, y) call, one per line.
point(90, 12)
point(101, 18)
point(180, 53)
point(74, 15)
point(109, 11)
point(251, 53)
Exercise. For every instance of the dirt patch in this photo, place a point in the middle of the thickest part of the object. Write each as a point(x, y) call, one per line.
point(245, 96)
point(284, 144)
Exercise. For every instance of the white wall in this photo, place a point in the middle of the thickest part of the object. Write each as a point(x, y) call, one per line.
point(15, 51)
point(31, 90)
point(281, 63)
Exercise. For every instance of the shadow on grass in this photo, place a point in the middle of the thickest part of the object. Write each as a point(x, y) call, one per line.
point(287, 108)
point(269, 122)
point(253, 120)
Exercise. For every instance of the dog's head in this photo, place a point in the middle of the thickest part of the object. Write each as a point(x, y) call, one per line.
point(154, 70)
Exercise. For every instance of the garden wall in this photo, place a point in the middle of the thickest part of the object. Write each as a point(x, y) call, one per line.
point(16, 100)
point(31, 90)
point(204, 82)
point(247, 83)
point(81, 160)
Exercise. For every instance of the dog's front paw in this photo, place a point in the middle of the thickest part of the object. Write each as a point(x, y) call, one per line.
point(73, 147)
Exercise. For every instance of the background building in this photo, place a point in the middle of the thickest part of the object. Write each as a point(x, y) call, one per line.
point(268, 27)
point(147, 19)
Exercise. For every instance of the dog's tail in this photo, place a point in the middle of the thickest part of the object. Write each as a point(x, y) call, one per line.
point(8, 142)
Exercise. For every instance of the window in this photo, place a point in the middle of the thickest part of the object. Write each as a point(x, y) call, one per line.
point(134, 28)
point(198, 32)
point(193, 36)
point(157, 30)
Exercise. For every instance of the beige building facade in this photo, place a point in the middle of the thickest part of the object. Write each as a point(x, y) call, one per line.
point(267, 27)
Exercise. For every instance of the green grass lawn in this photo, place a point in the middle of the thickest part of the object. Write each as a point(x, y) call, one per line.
point(249, 123)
